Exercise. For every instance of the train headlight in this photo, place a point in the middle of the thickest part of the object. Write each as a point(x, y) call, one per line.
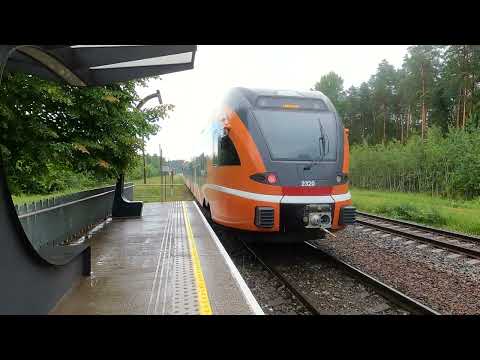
point(342, 178)
point(269, 178)
point(272, 178)
point(315, 219)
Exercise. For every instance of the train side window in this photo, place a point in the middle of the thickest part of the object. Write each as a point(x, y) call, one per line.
point(227, 154)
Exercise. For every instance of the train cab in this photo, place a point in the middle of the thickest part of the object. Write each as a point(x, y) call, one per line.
point(274, 161)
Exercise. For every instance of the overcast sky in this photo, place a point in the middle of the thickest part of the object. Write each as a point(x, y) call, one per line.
point(196, 93)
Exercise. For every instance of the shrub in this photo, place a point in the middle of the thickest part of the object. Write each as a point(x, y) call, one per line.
point(412, 213)
point(447, 166)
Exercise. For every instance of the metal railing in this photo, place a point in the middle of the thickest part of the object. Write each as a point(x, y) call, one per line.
point(57, 221)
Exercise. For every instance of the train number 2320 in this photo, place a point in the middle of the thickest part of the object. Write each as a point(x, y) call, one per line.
point(308, 182)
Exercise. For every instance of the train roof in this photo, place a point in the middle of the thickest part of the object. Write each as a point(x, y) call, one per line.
point(252, 94)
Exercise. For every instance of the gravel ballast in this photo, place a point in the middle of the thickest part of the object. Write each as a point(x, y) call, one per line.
point(329, 289)
point(446, 283)
point(438, 278)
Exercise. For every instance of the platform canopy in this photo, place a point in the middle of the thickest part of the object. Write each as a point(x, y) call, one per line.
point(86, 65)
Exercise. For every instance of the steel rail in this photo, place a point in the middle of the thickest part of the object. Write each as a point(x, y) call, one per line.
point(391, 294)
point(388, 292)
point(458, 248)
point(303, 299)
point(422, 227)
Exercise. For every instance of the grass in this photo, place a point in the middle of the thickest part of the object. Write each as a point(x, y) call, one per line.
point(177, 179)
point(141, 193)
point(457, 215)
point(29, 198)
point(152, 193)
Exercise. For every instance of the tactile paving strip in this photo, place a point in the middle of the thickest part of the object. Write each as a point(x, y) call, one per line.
point(174, 290)
point(185, 299)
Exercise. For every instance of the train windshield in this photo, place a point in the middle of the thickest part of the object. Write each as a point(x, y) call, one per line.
point(299, 135)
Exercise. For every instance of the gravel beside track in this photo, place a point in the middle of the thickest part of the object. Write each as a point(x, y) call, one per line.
point(447, 284)
point(460, 243)
point(271, 294)
point(329, 289)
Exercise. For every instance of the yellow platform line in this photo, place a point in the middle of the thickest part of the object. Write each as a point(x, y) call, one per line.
point(202, 294)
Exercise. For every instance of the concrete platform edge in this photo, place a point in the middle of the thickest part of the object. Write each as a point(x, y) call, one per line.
point(251, 301)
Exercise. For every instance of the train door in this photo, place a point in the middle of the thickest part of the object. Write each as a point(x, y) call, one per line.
point(194, 180)
point(214, 196)
point(227, 164)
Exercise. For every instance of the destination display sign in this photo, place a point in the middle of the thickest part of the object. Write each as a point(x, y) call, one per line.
point(290, 103)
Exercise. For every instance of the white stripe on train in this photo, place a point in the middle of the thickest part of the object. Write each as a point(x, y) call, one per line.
point(284, 199)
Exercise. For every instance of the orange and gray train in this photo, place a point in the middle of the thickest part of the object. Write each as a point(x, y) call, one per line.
point(274, 161)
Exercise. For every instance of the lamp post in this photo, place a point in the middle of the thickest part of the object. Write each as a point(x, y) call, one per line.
point(139, 106)
point(161, 171)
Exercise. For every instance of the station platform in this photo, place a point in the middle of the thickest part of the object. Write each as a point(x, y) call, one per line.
point(169, 262)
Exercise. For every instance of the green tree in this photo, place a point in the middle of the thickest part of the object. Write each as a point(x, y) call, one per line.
point(54, 134)
point(331, 85)
point(422, 65)
point(435, 86)
point(383, 84)
point(460, 82)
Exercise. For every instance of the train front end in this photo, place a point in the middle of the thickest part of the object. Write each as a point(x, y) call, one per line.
point(305, 151)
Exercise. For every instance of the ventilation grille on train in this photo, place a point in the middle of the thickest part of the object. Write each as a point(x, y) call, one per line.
point(264, 217)
point(347, 215)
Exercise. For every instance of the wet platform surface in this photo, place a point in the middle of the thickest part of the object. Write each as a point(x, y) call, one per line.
point(166, 262)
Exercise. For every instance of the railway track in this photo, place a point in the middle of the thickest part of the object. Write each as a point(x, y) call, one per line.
point(394, 296)
point(391, 294)
point(455, 242)
point(288, 284)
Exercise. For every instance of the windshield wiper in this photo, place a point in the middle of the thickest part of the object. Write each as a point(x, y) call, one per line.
point(321, 146)
point(321, 141)
point(322, 149)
